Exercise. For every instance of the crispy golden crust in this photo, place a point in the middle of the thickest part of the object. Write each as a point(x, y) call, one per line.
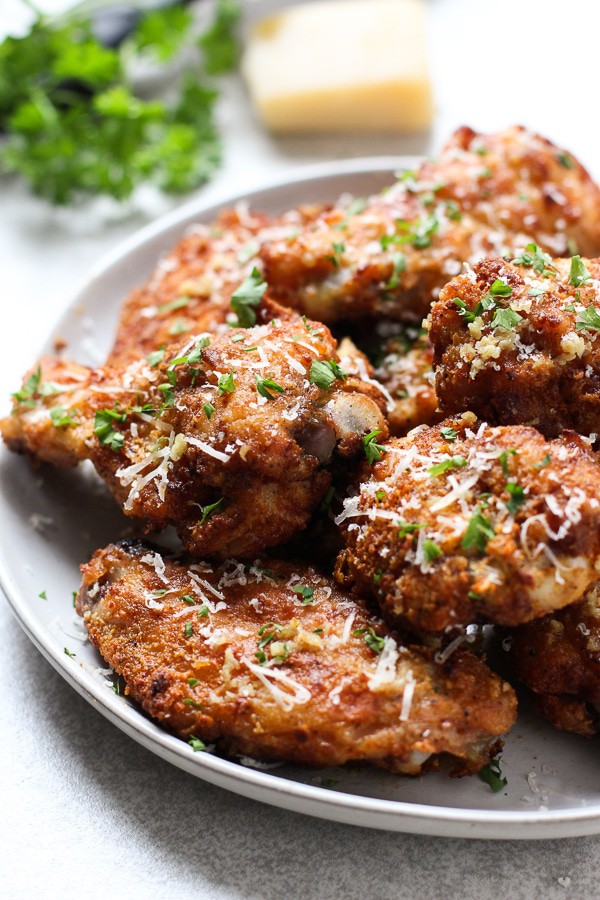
point(544, 368)
point(316, 694)
point(234, 421)
point(558, 657)
point(190, 289)
point(475, 523)
point(483, 196)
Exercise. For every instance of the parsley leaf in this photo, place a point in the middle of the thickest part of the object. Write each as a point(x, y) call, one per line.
point(335, 257)
point(196, 744)
point(431, 551)
point(104, 422)
point(492, 775)
point(268, 388)
point(545, 462)
point(506, 318)
point(219, 42)
point(61, 418)
point(372, 449)
point(589, 321)
point(578, 274)
point(30, 388)
point(211, 508)
point(534, 258)
point(449, 434)
point(247, 297)
point(479, 531)
point(455, 462)
point(406, 528)
point(226, 383)
point(323, 373)
point(399, 266)
point(517, 497)
point(307, 593)
point(156, 357)
point(208, 409)
point(371, 639)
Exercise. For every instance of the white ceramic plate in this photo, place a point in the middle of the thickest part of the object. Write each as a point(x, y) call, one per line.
point(53, 520)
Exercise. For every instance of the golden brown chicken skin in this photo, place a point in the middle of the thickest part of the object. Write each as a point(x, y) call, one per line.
point(520, 342)
point(391, 254)
point(190, 289)
point(231, 439)
point(272, 660)
point(462, 522)
point(558, 658)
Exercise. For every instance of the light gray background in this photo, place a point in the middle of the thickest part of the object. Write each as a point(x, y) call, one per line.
point(84, 811)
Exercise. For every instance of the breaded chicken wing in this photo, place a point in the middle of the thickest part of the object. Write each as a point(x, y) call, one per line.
point(274, 661)
point(391, 255)
point(231, 439)
point(462, 522)
point(190, 289)
point(519, 343)
point(558, 657)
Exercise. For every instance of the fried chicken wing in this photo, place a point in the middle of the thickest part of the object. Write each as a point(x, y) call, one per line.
point(391, 255)
point(274, 661)
point(190, 289)
point(520, 342)
point(232, 439)
point(462, 522)
point(558, 658)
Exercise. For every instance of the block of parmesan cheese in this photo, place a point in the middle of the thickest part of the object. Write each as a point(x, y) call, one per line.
point(341, 65)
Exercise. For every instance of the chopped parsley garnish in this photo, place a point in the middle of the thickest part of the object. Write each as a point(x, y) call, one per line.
point(226, 383)
point(30, 388)
point(69, 654)
point(323, 373)
point(517, 497)
point(172, 305)
point(196, 744)
point(193, 703)
point(545, 462)
point(193, 357)
point(203, 611)
point(449, 434)
point(192, 682)
point(399, 266)
point(307, 593)
point(354, 208)
point(104, 422)
point(167, 392)
point(159, 592)
point(503, 458)
point(42, 595)
point(61, 418)
point(589, 321)
point(452, 210)
point(455, 462)
point(247, 297)
point(208, 410)
point(418, 233)
point(267, 633)
point(506, 318)
point(565, 160)
point(373, 450)
point(337, 249)
point(406, 528)
point(479, 531)
point(377, 577)
point(266, 387)
point(578, 274)
point(431, 551)
point(498, 289)
point(371, 639)
point(187, 598)
point(156, 357)
point(210, 509)
point(188, 630)
point(534, 258)
point(492, 775)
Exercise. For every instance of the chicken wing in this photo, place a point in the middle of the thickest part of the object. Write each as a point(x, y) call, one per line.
point(391, 254)
point(558, 657)
point(519, 343)
point(190, 289)
point(462, 522)
point(231, 439)
point(274, 661)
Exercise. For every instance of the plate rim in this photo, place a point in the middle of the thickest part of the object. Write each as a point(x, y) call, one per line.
point(319, 801)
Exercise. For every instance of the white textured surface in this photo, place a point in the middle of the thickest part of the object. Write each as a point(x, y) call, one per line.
point(83, 810)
